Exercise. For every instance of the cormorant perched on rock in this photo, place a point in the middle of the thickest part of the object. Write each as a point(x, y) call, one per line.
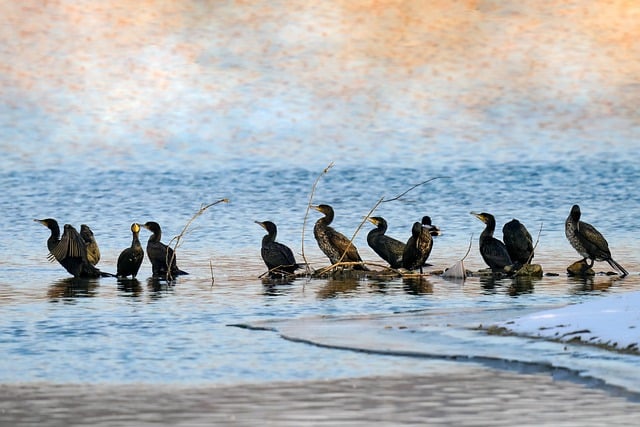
point(388, 248)
point(131, 258)
point(69, 250)
point(93, 252)
point(160, 254)
point(419, 245)
point(332, 243)
point(277, 257)
point(518, 242)
point(493, 251)
point(588, 241)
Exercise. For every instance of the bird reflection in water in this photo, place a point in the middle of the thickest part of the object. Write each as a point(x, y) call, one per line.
point(70, 288)
point(338, 287)
point(589, 284)
point(417, 285)
point(521, 286)
point(129, 287)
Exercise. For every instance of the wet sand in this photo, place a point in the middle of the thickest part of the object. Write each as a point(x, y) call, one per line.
point(467, 395)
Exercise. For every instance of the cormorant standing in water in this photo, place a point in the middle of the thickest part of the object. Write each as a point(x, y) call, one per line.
point(277, 257)
point(419, 245)
point(160, 254)
point(388, 248)
point(332, 243)
point(588, 241)
point(93, 252)
point(69, 250)
point(493, 251)
point(518, 242)
point(131, 258)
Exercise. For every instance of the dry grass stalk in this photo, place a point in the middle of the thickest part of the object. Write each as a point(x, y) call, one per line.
point(536, 244)
point(306, 214)
point(179, 237)
point(378, 203)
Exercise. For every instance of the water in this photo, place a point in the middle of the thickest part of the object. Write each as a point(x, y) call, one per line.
point(112, 114)
point(57, 329)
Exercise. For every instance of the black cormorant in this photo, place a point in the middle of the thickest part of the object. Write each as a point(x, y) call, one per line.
point(419, 245)
point(388, 248)
point(277, 257)
point(69, 250)
point(333, 243)
point(160, 254)
point(93, 252)
point(131, 258)
point(493, 251)
point(588, 241)
point(433, 230)
point(518, 242)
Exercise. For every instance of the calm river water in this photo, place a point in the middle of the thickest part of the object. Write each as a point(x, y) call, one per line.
point(58, 330)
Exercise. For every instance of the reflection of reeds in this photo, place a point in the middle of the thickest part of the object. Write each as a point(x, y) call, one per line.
point(178, 238)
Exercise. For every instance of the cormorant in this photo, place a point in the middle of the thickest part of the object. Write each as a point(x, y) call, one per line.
point(518, 242)
point(160, 254)
point(332, 243)
point(493, 251)
point(433, 230)
point(131, 258)
point(93, 252)
point(588, 241)
point(388, 248)
point(419, 245)
point(69, 250)
point(277, 257)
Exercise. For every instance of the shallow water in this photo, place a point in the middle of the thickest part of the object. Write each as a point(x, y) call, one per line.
point(112, 114)
point(57, 329)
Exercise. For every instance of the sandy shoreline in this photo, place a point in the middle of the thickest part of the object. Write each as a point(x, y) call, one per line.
point(465, 396)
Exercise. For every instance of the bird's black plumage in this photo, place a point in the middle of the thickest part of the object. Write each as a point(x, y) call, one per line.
point(388, 248)
point(588, 241)
point(518, 241)
point(419, 245)
point(160, 255)
point(333, 243)
point(277, 257)
point(131, 258)
point(93, 252)
point(493, 251)
point(70, 250)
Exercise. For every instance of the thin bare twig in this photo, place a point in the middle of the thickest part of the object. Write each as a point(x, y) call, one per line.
point(306, 214)
point(213, 280)
point(469, 248)
point(178, 238)
point(415, 186)
point(536, 245)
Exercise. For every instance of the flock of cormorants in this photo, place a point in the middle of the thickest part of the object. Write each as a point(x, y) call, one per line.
point(78, 253)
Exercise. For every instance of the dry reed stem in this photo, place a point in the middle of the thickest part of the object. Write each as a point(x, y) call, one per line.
point(178, 238)
point(306, 214)
point(536, 245)
point(378, 203)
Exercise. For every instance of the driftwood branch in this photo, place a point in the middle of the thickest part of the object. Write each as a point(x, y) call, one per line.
point(178, 239)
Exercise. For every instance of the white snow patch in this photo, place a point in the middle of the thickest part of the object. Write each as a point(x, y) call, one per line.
point(612, 320)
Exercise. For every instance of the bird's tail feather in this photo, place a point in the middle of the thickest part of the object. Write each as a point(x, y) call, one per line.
point(618, 267)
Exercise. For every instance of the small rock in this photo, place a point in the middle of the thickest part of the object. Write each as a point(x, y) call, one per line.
point(580, 268)
point(530, 270)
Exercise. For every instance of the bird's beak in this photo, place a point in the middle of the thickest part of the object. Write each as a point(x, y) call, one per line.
point(477, 215)
point(261, 224)
point(315, 207)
